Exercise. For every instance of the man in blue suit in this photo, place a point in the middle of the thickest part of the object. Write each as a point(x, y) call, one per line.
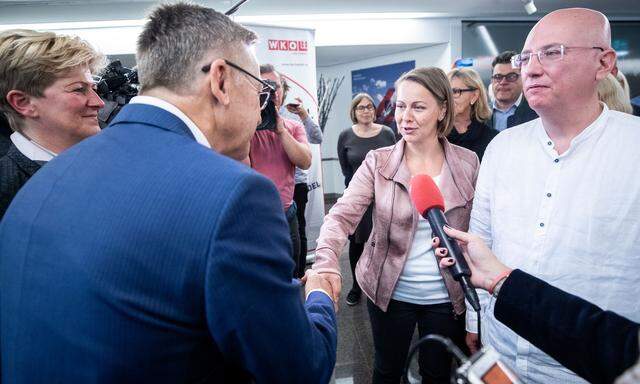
point(147, 255)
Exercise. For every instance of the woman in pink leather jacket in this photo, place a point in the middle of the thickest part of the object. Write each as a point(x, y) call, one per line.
point(398, 271)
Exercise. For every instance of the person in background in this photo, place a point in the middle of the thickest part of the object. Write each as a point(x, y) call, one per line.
point(276, 154)
point(622, 79)
point(557, 193)
point(353, 145)
point(296, 111)
point(613, 95)
point(597, 345)
point(471, 111)
point(398, 271)
point(48, 97)
point(510, 107)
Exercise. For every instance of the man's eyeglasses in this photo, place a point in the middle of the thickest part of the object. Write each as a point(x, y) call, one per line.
point(545, 56)
point(362, 108)
point(457, 92)
point(265, 91)
point(510, 77)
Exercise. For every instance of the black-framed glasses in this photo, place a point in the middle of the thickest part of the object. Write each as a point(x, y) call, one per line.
point(545, 56)
point(362, 108)
point(264, 92)
point(457, 92)
point(510, 77)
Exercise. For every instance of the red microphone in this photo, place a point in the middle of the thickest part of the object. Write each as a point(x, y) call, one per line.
point(427, 198)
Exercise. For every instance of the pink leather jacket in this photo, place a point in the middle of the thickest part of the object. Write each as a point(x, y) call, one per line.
point(383, 179)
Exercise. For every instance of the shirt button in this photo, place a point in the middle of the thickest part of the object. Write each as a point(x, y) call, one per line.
point(549, 143)
point(556, 160)
point(548, 195)
point(541, 224)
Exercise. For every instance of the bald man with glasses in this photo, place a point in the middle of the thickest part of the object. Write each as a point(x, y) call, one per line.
point(557, 193)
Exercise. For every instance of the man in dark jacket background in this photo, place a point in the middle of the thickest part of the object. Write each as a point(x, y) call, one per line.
point(510, 108)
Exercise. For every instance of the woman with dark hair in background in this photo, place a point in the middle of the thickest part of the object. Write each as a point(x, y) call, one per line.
point(471, 111)
point(48, 97)
point(353, 145)
point(398, 270)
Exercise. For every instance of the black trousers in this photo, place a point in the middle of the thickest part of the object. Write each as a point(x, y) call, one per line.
point(300, 197)
point(355, 251)
point(292, 219)
point(392, 333)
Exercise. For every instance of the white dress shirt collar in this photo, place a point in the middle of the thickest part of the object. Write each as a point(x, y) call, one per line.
point(156, 102)
point(32, 150)
point(594, 128)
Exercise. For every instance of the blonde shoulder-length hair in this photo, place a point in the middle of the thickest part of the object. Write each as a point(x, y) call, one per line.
point(480, 110)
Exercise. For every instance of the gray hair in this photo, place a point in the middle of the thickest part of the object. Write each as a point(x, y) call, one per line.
point(177, 38)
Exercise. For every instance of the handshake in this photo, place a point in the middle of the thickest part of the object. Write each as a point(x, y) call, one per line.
point(331, 283)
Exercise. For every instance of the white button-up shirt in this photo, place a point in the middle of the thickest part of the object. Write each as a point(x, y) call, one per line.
point(572, 220)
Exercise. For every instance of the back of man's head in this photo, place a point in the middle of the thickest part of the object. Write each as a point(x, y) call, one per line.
point(503, 58)
point(176, 40)
point(267, 68)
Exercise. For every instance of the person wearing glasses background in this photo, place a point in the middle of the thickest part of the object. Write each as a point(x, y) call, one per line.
point(276, 154)
point(558, 193)
point(353, 145)
point(471, 111)
point(149, 252)
point(510, 107)
point(47, 95)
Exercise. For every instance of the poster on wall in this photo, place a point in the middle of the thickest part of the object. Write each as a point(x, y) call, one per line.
point(378, 83)
point(292, 52)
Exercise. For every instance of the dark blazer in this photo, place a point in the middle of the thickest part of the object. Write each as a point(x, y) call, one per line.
point(5, 132)
point(522, 114)
point(15, 170)
point(476, 138)
point(5, 143)
point(595, 344)
point(139, 255)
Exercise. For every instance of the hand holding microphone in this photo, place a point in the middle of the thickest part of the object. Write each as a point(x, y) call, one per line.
point(485, 266)
point(429, 201)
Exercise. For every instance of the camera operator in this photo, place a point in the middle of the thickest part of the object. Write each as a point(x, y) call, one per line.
point(595, 344)
point(276, 153)
point(48, 98)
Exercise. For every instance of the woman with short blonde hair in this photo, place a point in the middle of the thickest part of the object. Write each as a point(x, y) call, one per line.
point(472, 111)
point(47, 95)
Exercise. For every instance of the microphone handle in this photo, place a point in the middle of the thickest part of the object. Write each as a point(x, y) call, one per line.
point(460, 270)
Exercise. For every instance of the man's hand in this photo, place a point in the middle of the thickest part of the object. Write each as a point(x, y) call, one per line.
point(485, 266)
point(472, 342)
point(280, 129)
point(314, 280)
point(297, 108)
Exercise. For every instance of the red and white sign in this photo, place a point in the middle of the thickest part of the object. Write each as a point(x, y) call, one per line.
point(288, 45)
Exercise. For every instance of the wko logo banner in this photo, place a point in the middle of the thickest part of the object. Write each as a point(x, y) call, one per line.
point(288, 45)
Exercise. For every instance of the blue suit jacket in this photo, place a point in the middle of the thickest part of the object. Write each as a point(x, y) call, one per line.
point(139, 255)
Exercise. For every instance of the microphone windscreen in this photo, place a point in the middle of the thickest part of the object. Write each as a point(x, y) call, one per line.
point(425, 194)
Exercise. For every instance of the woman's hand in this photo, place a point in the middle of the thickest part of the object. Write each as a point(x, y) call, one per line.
point(485, 266)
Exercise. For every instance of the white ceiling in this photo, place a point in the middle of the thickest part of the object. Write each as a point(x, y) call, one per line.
point(327, 56)
point(33, 11)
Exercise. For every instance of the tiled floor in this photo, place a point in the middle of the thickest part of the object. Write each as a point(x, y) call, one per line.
point(354, 362)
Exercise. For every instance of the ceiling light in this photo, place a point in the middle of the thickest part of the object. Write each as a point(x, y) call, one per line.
point(529, 7)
